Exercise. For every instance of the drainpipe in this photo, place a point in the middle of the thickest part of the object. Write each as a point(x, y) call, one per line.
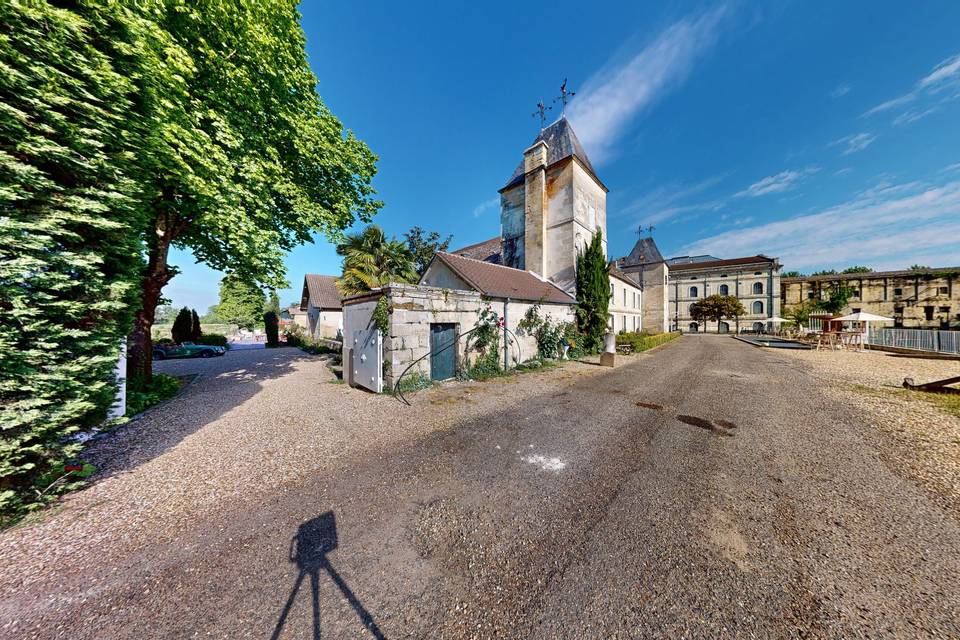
point(506, 342)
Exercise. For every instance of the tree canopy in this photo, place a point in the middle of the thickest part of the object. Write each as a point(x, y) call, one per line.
point(716, 307)
point(858, 269)
point(593, 293)
point(423, 246)
point(837, 298)
point(371, 259)
point(241, 303)
point(244, 160)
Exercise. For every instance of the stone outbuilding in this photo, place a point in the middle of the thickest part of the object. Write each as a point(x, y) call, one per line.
point(427, 324)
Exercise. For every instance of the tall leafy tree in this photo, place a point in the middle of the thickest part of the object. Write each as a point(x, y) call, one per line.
point(244, 160)
point(371, 259)
point(69, 229)
point(423, 246)
point(593, 293)
point(837, 298)
point(858, 269)
point(716, 308)
point(241, 302)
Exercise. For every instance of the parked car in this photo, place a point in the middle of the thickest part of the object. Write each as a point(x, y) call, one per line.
point(186, 350)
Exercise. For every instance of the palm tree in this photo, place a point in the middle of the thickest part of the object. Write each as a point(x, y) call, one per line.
point(371, 260)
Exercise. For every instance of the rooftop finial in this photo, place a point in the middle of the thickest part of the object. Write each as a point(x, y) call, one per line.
point(648, 229)
point(564, 97)
point(541, 112)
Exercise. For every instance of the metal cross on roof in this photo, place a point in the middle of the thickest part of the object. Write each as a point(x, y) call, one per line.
point(541, 113)
point(564, 97)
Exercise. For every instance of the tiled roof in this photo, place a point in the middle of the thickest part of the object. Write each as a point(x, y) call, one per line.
point(714, 264)
point(562, 143)
point(497, 281)
point(321, 291)
point(873, 274)
point(486, 251)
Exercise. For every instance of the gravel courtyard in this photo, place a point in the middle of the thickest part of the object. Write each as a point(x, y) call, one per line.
point(705, 489)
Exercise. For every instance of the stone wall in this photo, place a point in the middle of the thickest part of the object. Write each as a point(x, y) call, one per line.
point(927, 301)
point(535, 208)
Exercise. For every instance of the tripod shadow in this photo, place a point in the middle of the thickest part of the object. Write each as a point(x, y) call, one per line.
point(309, 548)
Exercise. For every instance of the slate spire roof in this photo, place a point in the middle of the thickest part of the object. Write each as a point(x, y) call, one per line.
point(562, 143)
point(644, 252)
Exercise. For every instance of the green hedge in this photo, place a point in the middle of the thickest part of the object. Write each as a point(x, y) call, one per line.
point(213, 339)
point(161, 331)
point(644, 341)
point(70, 249)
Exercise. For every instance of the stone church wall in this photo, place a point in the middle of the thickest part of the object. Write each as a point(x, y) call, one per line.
point(512, 227)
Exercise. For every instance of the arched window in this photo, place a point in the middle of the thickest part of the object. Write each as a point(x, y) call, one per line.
point(693, 327)
point(724, 290)
point(757, 287)
point(693, 292)
point(757, 307)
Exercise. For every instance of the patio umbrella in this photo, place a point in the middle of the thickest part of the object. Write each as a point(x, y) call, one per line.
point(778, 320)
point(861, 316)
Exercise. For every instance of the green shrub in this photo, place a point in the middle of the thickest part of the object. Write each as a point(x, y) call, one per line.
point(272, 327)
point(313, 346)
point(412, 382)
point(182, 330)
point(162, 387)
point(213, 339)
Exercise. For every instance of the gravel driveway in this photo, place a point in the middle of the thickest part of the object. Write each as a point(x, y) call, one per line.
point(707, 489)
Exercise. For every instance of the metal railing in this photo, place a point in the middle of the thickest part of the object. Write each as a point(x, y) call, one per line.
point(919, 339)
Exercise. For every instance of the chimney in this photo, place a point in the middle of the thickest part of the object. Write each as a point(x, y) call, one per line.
point(535, 203)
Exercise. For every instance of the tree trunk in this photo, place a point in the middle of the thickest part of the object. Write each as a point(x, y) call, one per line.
point(156, 276)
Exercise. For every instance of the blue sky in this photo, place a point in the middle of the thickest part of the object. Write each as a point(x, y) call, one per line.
point(827, 134)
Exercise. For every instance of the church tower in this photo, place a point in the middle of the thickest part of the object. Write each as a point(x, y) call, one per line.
point(551, 207)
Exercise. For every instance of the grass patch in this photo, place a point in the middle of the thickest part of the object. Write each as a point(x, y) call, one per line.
point(947, 402)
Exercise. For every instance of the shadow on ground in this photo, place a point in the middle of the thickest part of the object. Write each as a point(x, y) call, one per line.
point(221, 385)
point(308, 549)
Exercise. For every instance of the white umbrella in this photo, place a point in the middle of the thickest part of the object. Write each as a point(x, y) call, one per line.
point(778, 320)
point(861, 316)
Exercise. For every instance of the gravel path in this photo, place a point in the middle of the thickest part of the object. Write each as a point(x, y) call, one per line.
point(920, 439)
point(706, 489)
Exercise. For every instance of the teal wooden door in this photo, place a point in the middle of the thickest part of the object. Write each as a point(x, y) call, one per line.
point(443, 353)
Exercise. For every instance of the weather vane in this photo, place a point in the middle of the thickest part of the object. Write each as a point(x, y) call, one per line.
point(649, 229)
point(541, 112)
point(564, 97)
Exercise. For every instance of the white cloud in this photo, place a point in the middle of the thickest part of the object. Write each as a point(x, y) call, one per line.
point(842, 172)
point(951, 167)
point(612, 97)
point(667, 201)
point(485, 206)
point(840, 91)
point(892, 104)
point(943, 72)
point(854, 143)
point(886, 224)
point(913, 115)
point(783, 181)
